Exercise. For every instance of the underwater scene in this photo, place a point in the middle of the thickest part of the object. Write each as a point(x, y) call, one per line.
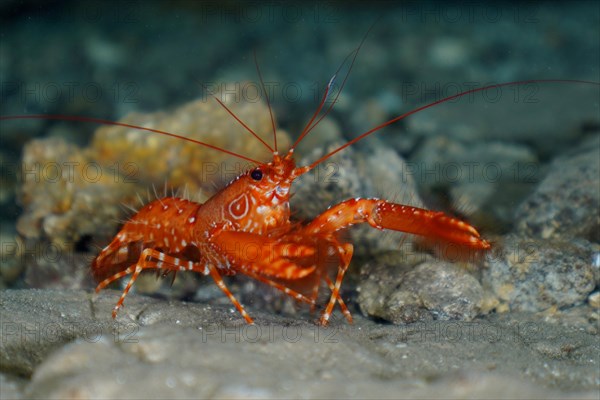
point(317, 199)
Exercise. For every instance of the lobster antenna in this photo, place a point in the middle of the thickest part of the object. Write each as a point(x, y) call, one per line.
point(308, 126)
point(262, 83)
point(323, 100)
point(235, 116)
point(141, 128)
point(435, 103)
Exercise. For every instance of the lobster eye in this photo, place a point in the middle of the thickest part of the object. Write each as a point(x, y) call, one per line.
point(256, 174)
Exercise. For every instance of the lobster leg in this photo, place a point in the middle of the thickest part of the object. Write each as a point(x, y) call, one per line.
point(385, 215)
point(197, 267)
point(144, 262)
point(219, 281)
point(148, 260)
point(292, 293)
point(345, 250)
point(315, 294)
point(168, 263)
point(315, 291)
point(343, 306)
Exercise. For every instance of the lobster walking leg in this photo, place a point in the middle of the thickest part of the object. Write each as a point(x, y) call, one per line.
point(343, 306)
point(144, 262)
point(219, 281)
point(315, 293)
point(154, 259)
point(345, 250)
point(292, 293)
point(197, 267)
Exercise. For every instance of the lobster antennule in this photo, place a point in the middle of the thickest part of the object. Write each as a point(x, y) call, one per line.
point(125, 125)
point(262, 83)
point(238, 119)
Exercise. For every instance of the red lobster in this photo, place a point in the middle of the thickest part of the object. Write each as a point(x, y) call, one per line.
point(246, 228)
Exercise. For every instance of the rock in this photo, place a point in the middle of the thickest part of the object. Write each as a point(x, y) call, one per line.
point(36, 322)
point(157, 349)
point(480, 176)
point(369, 113)
point(566, 204)
point(11, 254)
point(449, 52)
point(508, 115)
point(534, 275)
point(8, 182)
point(594, 300)
point(49, 268)
point(584, 317)
point(12, 387)
point(424, 289)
